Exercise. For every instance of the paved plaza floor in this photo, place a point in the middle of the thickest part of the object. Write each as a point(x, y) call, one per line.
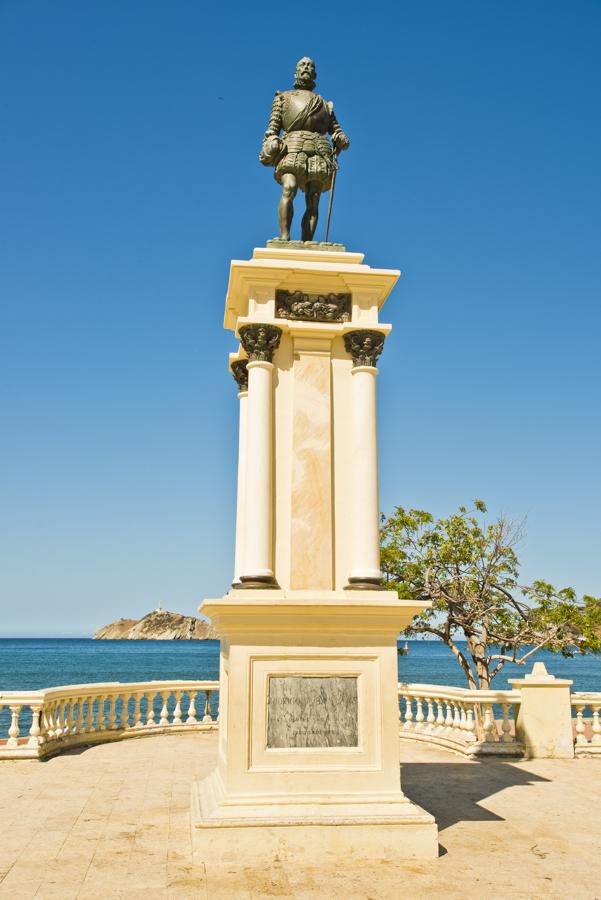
point(112, 821)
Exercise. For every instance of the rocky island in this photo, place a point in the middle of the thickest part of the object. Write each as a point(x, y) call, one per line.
point(159, 625)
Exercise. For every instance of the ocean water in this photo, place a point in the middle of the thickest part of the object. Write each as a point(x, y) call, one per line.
point(30, 664)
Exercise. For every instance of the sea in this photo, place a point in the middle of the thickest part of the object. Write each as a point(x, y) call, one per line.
point(34, 663)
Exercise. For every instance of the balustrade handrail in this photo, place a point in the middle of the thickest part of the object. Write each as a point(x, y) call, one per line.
point(96, 687)
point(457, 693)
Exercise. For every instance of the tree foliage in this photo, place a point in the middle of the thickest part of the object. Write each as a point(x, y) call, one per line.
point(469, 571)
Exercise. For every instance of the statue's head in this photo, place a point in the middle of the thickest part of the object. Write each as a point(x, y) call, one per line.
point(305, 74)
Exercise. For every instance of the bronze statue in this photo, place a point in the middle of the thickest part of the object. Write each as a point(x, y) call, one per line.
point(303, 156)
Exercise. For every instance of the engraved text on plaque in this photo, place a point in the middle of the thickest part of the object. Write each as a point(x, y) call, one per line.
point(312, 711)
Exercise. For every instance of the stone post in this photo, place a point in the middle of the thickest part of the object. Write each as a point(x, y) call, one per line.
point(260, 342)
point(240, 373)
point(365, 347)
point(544, 720)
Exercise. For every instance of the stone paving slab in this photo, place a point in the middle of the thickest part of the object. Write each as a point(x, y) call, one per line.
point(112, 821)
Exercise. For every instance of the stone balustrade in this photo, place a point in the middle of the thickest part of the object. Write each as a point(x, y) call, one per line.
point(587, 728)
point(46, 722)
point(38, 724)
point(474, 723)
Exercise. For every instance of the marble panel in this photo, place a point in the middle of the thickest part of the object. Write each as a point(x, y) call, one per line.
point(311, 501)
point(312, 711)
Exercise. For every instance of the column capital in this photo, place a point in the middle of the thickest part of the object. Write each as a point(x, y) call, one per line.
point(364, 346)
point(239, 369)
point(260, 341)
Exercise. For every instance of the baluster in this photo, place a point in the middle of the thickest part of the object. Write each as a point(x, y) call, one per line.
point(68, 729)
point(56, 719)
point(470, 724)
point(408, 724)
point(430, 718)
point(150, 722)
point(76, 719)
point(124, 716)
point(580, 729)
point(456, 716)
point(13, 731)
point(57, 710)
point(403, 699)
point(35, 730)
point(506, 737)
point(164, 720)
point(45, 717)
point(596, 739)
point(89, 714)
point(81, 716)
point(448, 719)
point(462, 717)
point(67, 717)
point(100, 726)
point(112, 717)
point(51, 723)
point(488, 724)
point(76, 715)
point(191, 720)
point(137, 716)
point(419, 718)
point(207, 710)
point(177, 712)
point(72, 717)
point(439, 715)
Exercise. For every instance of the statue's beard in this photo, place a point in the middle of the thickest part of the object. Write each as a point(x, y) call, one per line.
point(304, 82)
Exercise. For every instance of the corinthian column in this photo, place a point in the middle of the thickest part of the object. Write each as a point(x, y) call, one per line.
point(259, 342)
point(365, 347)
point(240, 373)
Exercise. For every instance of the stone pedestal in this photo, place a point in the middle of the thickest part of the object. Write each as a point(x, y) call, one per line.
point(544, 719)
point(308, 762)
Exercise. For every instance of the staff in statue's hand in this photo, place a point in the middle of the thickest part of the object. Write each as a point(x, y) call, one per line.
point(332, 189)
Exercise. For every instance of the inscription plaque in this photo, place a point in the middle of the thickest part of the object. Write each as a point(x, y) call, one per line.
point(312, 711)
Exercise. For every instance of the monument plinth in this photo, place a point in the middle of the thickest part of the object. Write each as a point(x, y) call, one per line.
point(308, 760)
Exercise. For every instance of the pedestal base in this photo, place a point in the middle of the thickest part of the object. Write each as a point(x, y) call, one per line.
point(308, 758)
point(312, 830)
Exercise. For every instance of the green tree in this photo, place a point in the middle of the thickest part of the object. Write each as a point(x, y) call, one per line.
point(468, 570)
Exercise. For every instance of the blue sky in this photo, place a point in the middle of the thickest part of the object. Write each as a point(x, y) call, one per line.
point(129, 178)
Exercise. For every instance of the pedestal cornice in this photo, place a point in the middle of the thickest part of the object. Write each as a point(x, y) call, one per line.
point(326, 614)
point(310, 272)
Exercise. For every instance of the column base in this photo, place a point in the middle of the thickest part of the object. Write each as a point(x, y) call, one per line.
point(365, 584)
point(311, 830)
point(256, 582)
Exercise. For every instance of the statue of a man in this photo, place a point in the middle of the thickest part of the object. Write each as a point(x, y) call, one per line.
point(303, 156)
